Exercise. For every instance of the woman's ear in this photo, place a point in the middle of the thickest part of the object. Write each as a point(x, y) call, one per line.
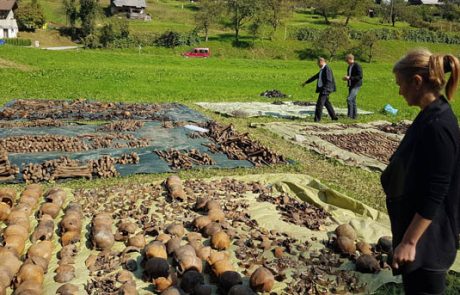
point(418, 81)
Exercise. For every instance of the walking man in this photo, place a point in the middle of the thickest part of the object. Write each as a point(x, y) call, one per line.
point(354, 79)
point(324, 86)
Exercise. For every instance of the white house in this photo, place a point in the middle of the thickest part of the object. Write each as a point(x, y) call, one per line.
point(132, 8)
point(8, 25)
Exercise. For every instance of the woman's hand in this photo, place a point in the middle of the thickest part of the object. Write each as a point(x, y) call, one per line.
point(403, 254)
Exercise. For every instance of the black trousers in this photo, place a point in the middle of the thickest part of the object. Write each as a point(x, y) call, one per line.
point(424, 282)
point(323, 100)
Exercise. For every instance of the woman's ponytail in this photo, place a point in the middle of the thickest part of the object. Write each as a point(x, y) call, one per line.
point(451, 65)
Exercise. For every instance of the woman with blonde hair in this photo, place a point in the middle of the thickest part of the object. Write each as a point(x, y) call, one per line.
point(422, 181)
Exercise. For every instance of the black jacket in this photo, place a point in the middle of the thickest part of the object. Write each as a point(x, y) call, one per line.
point(328, 81)
point(356, 77)
point(424, 177)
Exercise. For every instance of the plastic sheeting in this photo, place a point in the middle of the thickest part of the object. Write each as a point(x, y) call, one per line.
point(308, 135)
point(159, 138)
point(258, 109)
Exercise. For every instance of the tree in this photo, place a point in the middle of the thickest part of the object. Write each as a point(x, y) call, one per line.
point(115, 29)
point(209, 13)
point(450, 10)
point(88, 14)
point(277, 11)
point(397, 9)
point(71, 11)
point(326, 8)
point(368, 42)
point(332, 40)
point(353, 8)
point(30, 16)
point(240, 13)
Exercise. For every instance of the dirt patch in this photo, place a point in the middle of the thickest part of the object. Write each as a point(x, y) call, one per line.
point(8, 64)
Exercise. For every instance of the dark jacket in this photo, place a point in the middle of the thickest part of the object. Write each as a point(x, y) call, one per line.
point(424, 177)
point(356, 77)
point(328, 81)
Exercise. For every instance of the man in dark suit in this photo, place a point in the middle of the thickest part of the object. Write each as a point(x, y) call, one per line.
point(354, 80)
point(324, 86)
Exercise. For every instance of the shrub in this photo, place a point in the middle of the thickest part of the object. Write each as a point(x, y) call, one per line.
point(18, 42)
point(307, 34)
point(414, 35)
point(169, 39)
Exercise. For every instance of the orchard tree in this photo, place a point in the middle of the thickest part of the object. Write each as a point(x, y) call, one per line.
point(368, 42)
point(240, 13)
point(208, 15)
point(326, 8)
point(276, 11)
point(353, 8)
point(332, 40)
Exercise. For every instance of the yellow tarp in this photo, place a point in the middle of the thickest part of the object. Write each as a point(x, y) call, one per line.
point(369, 223)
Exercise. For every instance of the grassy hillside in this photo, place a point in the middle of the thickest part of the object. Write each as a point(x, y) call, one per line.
point(126, 75)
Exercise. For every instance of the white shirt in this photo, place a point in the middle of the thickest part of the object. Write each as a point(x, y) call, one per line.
point(320, 80)
point(349, 74)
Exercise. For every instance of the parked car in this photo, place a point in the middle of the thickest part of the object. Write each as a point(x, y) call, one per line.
point(198, 52)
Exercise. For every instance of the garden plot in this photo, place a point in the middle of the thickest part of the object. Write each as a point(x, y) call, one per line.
point(364, 145)
point(270, 232)
point(285, 109)
point(164, 138)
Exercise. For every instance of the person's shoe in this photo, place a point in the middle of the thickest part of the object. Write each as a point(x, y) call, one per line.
point(335, 119)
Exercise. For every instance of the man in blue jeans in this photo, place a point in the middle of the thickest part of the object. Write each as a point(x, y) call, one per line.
point(354, 79)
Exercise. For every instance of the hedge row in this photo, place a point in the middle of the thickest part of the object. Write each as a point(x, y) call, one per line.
point(415, 35)
point(18, 42)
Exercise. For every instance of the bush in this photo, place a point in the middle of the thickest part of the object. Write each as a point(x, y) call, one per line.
point(92, 41)
point(414, 35)
point(190, 38)
point(424, 35)
point(169, 39)
point(307, 34)
point(18, 42)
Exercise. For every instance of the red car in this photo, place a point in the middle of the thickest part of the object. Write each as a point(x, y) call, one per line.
point(198, 52)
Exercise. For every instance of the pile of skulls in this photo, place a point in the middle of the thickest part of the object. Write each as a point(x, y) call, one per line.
point(368, 258)
point(70, 230)
point(176, 234)
point(28, 275)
